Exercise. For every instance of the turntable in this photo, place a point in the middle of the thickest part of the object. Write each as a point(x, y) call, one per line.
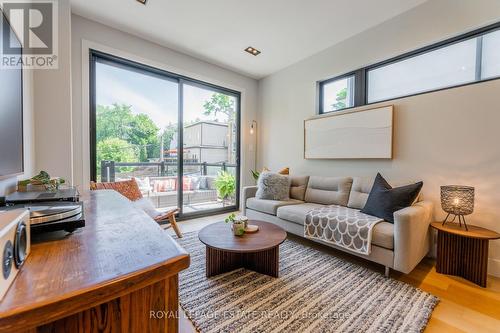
point(50, 210)
point(53, 216)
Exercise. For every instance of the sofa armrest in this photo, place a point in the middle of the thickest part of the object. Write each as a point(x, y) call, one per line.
point(248, 192)
point(411, 235)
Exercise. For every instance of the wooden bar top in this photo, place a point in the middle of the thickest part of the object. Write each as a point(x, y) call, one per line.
point(119, 249)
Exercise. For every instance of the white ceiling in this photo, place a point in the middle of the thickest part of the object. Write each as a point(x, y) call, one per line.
point(217, 31)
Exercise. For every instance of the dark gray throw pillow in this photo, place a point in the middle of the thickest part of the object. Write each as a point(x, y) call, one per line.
point(384, 200)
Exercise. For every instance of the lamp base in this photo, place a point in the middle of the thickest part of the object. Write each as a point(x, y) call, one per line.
point(461, 218)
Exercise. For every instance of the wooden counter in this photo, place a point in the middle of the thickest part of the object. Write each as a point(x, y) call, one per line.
point(105, 277)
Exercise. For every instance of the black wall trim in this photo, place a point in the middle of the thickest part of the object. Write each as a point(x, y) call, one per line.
point(361, 82)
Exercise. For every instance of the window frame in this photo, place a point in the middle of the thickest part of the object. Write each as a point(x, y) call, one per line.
point(359, 94)
point(361, 74)
point(132, 65)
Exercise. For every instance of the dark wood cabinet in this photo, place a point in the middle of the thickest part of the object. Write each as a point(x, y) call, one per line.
point(118, 274)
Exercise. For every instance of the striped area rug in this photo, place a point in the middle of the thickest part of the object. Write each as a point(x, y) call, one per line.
point(316, 292)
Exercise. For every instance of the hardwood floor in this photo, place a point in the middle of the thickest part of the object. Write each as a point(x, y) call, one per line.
point(464, 307)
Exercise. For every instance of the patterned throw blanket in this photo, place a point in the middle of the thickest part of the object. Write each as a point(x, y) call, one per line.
point(342, 226)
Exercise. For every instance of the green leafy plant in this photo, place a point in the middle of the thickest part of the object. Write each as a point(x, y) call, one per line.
point(231, 218)
point(255, 174)
point(341, 100)
point(43, 178)
point(225, 183)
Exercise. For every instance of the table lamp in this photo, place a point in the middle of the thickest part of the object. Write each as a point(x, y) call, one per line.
point(458, 201)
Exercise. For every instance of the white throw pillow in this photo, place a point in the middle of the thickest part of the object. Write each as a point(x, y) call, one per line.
point(144, 184)
point(147, 206)
point(273, 186)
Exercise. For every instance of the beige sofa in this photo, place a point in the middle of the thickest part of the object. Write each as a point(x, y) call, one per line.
point(400, 246)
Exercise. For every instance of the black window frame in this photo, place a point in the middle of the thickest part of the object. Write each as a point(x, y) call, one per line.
point(359, 94)
point(99, 56)
point(361, 74)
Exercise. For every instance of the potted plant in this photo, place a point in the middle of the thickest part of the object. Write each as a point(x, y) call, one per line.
point(40, 182)
point(238, 226)
point(255, 174)
point(225, 183)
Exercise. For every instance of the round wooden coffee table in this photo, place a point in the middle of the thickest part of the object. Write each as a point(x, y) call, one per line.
point(258, 251)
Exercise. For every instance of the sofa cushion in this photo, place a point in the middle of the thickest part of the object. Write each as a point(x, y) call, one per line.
point(383, 235)
point(298, 187)
point(296, 213)
point(269, 206)
point(328, 190)
point(360, 190)
point(383, 232)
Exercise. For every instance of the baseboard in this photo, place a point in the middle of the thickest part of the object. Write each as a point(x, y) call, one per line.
point(494, 267)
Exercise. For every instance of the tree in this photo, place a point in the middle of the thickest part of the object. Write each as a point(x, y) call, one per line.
point(167, 135)
point(144, 133)
point(341, 100)
point(220, 103)
point(138, 130)
point(115, 149)
point(113, 122)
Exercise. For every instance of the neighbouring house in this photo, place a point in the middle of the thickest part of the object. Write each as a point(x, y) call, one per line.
point(210, 142)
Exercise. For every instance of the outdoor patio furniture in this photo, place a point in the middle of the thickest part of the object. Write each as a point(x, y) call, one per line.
point(131, 191)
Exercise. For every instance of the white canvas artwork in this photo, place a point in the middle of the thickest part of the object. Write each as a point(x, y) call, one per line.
point(360, 134)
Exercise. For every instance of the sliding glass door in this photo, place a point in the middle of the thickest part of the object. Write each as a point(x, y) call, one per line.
point(210, 140)
point(178, 137)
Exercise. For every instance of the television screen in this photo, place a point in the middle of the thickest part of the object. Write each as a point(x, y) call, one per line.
point(11, 109)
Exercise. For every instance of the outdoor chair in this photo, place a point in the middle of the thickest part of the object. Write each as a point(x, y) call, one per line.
point(131, 191)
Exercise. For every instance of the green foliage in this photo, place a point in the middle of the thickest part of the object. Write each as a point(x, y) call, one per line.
point(113, 122)
point(341, 100)
point(43, 178)
point(169, 134)
point(231, 218)
point(143, 133)
point(255, 174)
point(220, 103)
point(115, 149)
point(225, 183)
point(118, 122)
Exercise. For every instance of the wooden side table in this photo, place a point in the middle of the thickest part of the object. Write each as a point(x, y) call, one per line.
point(463, 253)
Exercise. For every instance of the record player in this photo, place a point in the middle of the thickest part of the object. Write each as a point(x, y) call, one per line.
point(50, 210)
point(64, 194)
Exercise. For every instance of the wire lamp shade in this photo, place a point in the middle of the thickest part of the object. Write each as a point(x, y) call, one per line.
point(457, 200)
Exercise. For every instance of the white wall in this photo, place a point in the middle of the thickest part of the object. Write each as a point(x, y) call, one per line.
point(89, 33)
point(9, 185)
point(52, 95)
point(444, 137)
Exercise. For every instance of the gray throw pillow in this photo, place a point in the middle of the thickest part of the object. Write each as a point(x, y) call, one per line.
point(273, 186)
